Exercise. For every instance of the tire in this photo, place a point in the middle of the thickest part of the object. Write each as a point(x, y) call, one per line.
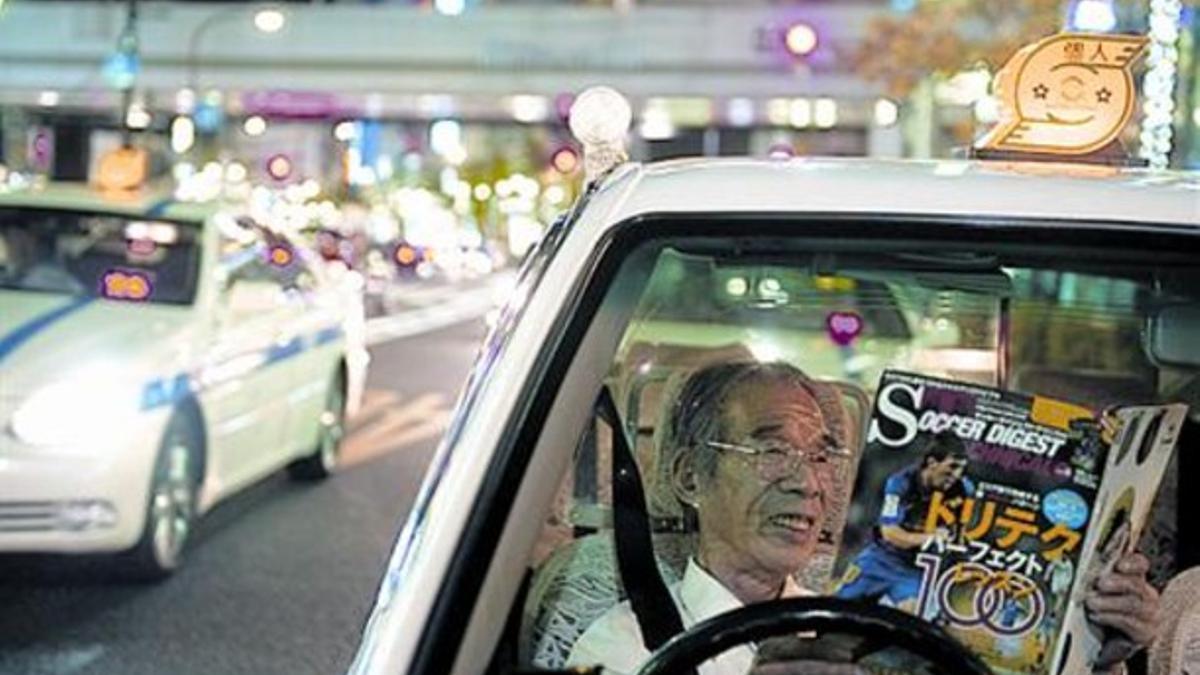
point(331, 428)
point(171, 504)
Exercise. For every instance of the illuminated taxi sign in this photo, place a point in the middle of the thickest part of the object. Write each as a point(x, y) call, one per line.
point(126, 285)
point(122, 170)
point(1067, 95)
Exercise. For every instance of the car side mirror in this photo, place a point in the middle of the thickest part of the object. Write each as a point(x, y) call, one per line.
point(1173, 336)
point(246, 297)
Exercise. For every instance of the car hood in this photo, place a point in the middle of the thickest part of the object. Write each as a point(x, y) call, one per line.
point(47, 337)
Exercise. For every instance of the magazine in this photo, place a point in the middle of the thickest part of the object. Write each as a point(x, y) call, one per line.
point(991, 512)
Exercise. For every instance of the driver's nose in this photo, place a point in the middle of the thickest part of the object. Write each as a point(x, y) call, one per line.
point(803, 480)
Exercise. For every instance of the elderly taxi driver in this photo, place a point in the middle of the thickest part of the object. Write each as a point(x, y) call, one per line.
point(754, 452)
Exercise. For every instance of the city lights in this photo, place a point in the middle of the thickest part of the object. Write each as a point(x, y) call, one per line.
point(740, 112)
point(779, 111)
point(279, 167)
point(825, 113)
point(236, 172)
point(254, 125)
point(1158, 84)
point(656, 122)
point(801, 39)
point(987, 110)
point(1094, 15)
point(555, 194)
point(887, 113)
point(445, 138)
point(183, 134)
point(269, 20)
point(450, 7)
point(137, 117)
point(345, 131)
point(185, 101)
point(800, 113)
point(529, 109)
point(565, 160)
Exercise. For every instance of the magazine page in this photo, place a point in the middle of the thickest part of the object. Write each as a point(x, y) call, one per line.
point(973, 509)
point(1145, 438)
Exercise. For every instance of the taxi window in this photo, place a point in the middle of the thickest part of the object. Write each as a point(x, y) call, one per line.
point(90, 254)
point(728, 353)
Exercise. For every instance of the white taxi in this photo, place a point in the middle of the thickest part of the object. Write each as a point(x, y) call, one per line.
point(562, 506)
point(156, 357)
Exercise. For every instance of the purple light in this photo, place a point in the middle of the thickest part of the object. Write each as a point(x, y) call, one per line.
point(279, 167)
point(562, 105)
point(781, 151)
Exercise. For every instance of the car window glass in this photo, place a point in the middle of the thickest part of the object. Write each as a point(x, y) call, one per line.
point(836, 320)
point(97, 255)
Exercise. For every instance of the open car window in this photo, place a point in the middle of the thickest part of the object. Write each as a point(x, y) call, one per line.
point(836, 317)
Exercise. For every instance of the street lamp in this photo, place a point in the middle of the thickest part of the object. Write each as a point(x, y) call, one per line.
point(267, 20)
point(800, 39)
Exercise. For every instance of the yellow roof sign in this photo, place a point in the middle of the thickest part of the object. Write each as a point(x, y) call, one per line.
point(1069, 94)
point(122, 170)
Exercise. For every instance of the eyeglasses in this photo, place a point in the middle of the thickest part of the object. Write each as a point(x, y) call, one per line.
point(776, 459)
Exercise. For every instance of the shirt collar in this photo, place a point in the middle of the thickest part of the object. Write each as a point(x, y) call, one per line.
point(702, 596)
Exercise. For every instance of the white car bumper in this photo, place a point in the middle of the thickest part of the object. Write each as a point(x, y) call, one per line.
point(72, 500)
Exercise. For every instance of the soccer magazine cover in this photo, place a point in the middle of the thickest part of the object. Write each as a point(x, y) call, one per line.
point(989, 513)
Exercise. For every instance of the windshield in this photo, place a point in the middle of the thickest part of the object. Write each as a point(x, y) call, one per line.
point(98, 255)
point(753, 382)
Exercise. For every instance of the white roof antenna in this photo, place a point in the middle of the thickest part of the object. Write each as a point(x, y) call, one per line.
point(600, 119)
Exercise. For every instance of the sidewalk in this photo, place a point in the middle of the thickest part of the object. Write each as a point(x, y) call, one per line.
point(421, 307)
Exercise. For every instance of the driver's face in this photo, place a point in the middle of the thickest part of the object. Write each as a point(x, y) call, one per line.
point(753, 515)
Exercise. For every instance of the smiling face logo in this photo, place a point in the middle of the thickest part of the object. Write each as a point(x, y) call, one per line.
point(1069, 94)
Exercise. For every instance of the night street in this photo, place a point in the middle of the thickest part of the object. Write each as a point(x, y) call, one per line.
point(281, 577)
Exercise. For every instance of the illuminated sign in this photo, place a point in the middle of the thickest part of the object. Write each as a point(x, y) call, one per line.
point(126, 285)
point(565, 160)
point(280, 255)
point(122, 169)
point(406, 255)
point(1069, 94)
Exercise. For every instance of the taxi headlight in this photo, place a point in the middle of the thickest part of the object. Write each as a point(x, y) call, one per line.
point(72, 413)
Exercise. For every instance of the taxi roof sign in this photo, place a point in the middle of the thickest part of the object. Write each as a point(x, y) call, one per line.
point(1067, 95)
point(122, 170)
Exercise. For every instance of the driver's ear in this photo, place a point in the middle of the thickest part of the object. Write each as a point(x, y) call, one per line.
point(685, 477)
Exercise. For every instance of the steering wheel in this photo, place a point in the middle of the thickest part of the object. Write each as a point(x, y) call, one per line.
point(880, 627)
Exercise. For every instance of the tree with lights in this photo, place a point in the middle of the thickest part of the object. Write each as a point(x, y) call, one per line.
point(910, 53)
point(945, 37)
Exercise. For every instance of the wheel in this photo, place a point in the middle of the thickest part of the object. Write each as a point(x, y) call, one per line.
point(331, 428)
point(876, 627)
point(171, 506)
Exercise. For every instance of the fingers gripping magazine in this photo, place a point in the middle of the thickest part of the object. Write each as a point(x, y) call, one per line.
point(991, 512)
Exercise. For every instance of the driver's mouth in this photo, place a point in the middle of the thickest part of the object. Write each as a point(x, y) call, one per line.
point(794, 522)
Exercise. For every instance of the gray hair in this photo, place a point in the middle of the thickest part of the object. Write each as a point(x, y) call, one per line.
point(696, 419)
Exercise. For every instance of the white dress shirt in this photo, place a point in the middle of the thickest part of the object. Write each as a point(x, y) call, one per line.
point(615, 641)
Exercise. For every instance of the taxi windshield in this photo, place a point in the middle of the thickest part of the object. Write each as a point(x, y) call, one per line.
point(748, 384)
point(97, 255)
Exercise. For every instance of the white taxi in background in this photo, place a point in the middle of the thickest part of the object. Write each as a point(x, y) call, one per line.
point(156, 357)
